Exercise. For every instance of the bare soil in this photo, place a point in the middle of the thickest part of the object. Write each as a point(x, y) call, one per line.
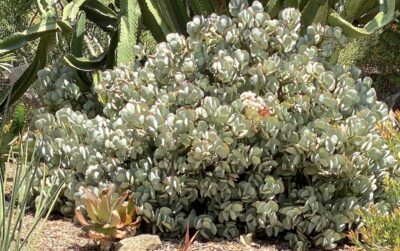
point(61, 234)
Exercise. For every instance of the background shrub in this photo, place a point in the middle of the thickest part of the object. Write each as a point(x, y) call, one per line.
point(16, 16)
point(244, 126)
point(377, 56)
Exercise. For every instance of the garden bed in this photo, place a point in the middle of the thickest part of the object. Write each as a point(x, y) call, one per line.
point(61, 234)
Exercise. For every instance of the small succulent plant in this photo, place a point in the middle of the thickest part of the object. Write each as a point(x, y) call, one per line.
point(109, 218)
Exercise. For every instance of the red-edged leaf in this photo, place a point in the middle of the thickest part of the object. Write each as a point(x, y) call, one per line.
point(81, 219)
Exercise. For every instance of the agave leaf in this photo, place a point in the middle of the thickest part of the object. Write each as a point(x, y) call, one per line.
point(108, 191)
point(137, 221)
point(65, 27)
point(44, 5)
point(4, 94)
point(77, 40)
point(101, 15)
point(71, 10)
point(19, 39)
point(385, 15)
point(351, 8)
point(367, 6)
point(130, 211)
point(79, 216)
point(309, 12)
point(46, 44)
point(85, 64)
point(322, 14)
point(291, 3)
point(246, 240)
point(67, 10)
point(188, 240)
point(302, 4)
point(273, 7)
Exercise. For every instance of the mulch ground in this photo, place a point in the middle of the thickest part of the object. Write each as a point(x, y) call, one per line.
point(61, 234)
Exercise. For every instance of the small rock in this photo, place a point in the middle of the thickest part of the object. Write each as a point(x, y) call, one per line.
point(144, 242)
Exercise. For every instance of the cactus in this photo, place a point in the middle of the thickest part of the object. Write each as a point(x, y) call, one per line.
point(384, 16)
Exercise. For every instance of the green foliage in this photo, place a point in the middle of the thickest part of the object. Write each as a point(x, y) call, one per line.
point(53, 24)
point(15, 16)
point(376, 56)
point(109, 218)
point(383, 17)
point(381, 226)
point(357, 18)
point(13, 129)
point(243, 127)
point(124, 20)
point(379, 232)
point(389, 130)
point(22, 168)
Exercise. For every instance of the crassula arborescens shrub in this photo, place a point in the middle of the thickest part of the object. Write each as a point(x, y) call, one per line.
point(244, 126)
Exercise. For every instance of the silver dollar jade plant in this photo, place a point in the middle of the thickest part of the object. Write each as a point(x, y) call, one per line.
point(245, 126)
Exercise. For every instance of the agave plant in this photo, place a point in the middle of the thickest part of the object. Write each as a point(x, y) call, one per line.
point(129, 22)
point(109, 219)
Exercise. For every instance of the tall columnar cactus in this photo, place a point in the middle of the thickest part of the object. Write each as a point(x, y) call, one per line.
point(244, 126)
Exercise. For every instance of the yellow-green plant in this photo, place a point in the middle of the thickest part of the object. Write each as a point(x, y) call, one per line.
point(109, 219)
point(380, 230)
point(391, 133)
point(381, 227)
